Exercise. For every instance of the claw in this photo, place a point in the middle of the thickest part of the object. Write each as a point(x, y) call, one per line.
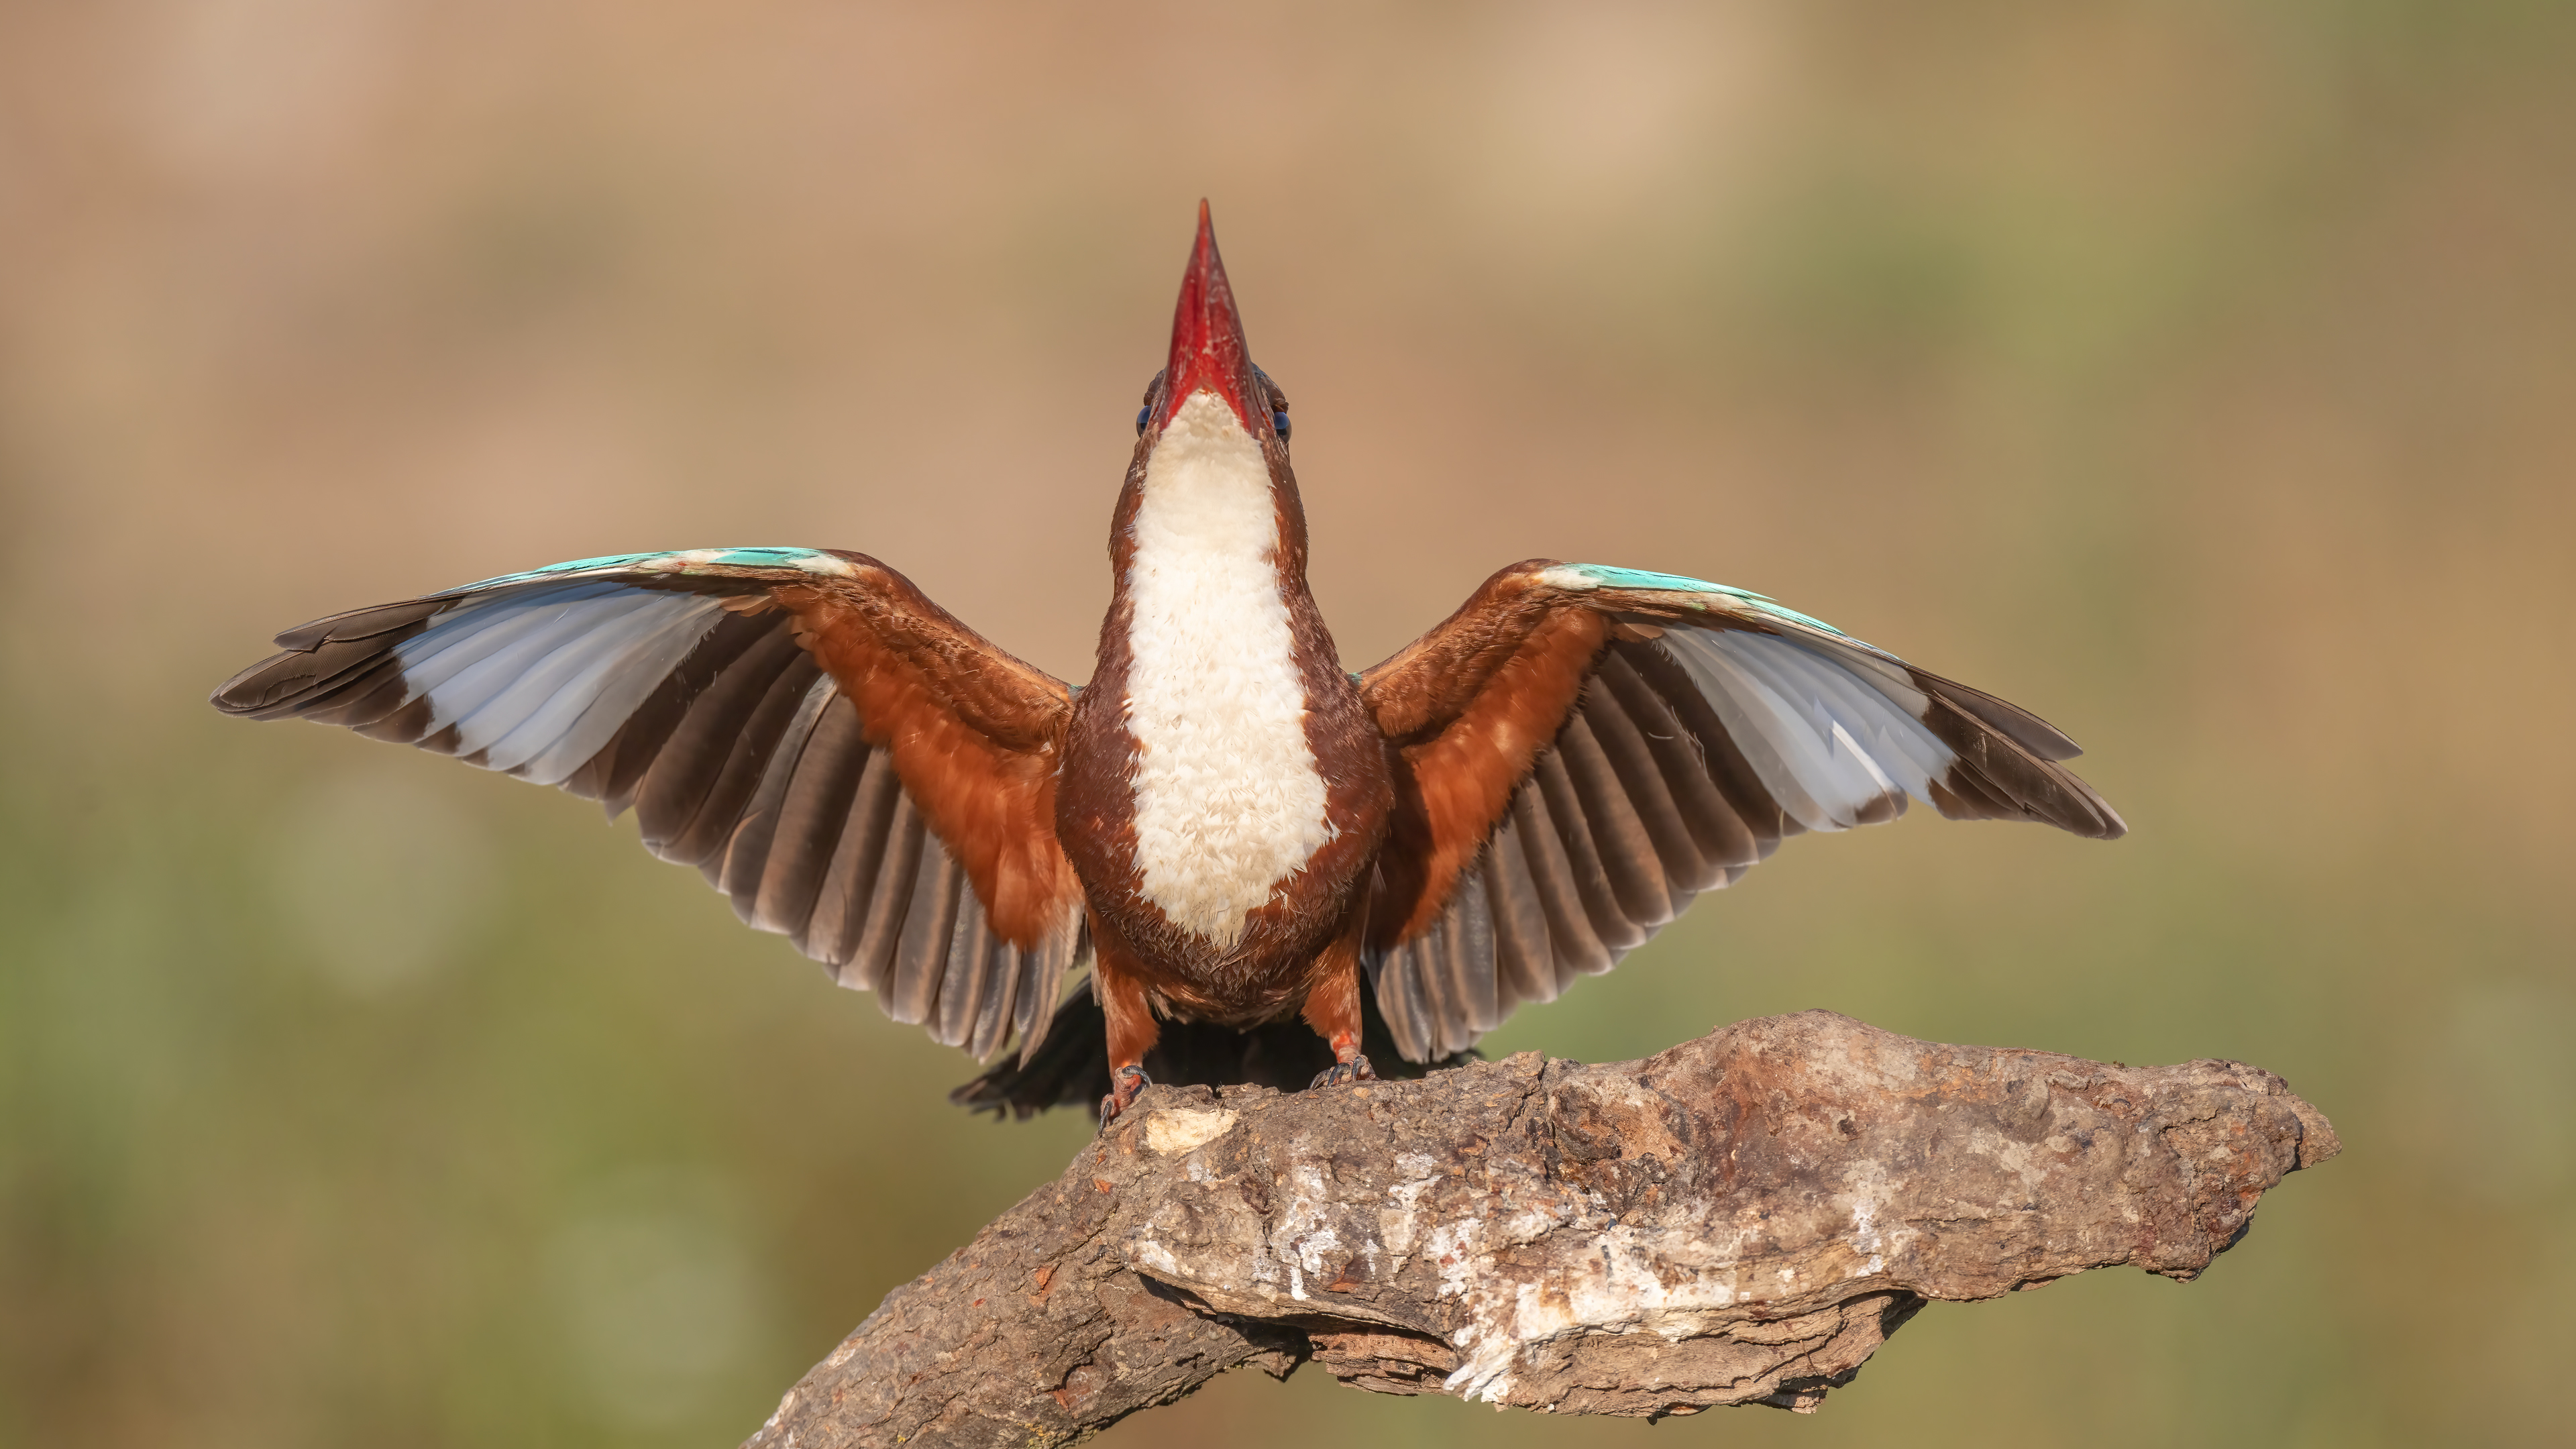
point(1124, 1084)
point(1357, 1069)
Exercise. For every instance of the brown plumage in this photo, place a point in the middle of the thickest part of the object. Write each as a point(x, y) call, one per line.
point(1275, 869)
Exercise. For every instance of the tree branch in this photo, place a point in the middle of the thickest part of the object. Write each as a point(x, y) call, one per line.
point(1741, 1219)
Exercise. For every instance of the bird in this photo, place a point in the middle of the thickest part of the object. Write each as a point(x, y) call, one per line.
point(1225, 857)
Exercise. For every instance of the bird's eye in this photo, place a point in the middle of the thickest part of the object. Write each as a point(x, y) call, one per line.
point(1141, 415)
point(1279, 424)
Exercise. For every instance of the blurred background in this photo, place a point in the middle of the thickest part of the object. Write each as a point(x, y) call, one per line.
point(2201, 375)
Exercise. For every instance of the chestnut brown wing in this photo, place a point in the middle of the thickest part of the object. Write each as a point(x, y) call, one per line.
point(1583, 750)
point(852, 766)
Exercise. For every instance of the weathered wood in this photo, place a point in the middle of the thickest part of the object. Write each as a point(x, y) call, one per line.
point(1742, 1219)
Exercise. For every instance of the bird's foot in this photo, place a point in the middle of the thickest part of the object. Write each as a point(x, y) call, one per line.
point(1356, 1069)
point(1124, 1084)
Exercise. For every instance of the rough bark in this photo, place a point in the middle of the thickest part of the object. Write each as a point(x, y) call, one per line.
point(1741, 1219)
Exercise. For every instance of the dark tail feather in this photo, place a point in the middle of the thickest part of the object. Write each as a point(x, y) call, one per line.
point(1071, 1065)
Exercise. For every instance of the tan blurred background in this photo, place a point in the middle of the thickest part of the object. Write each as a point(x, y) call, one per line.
point(2199, 374)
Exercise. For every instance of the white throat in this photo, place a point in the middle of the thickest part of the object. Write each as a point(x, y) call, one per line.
point(1228, 800)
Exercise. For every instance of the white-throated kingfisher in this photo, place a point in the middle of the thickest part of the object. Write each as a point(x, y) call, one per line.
point(1231, 831)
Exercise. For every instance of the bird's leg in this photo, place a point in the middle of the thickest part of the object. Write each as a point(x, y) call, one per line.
point(1132, 1030)
point(1124, 1084)
point(1333, 1010)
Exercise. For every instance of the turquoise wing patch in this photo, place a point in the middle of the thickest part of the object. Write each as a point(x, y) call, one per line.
point(679, 561)
point(1605, 576)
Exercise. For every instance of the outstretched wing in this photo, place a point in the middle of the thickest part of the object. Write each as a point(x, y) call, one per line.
point(1582, 750)
point(857, 769)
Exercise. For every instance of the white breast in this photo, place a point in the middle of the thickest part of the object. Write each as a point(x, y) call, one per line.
point(1228, 799)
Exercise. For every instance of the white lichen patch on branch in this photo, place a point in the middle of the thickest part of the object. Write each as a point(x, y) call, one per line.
point(1145, 1252)
point(1398, 1226)
point(1622, 1279)
point(1878, 1227)
point(1305, 1232)
point(1866, 1236)
point(1179, 1129)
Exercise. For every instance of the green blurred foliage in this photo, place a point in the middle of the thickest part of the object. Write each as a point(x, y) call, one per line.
point(2202, 376)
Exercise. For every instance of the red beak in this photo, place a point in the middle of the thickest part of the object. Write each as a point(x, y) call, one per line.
point(1207, 342)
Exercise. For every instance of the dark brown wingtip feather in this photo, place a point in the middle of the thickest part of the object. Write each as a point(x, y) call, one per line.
point(366, 623)
point(1996, 778)
point(2037, 736)
point(2113, 825)
point(320, 657)
point(279, 679)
